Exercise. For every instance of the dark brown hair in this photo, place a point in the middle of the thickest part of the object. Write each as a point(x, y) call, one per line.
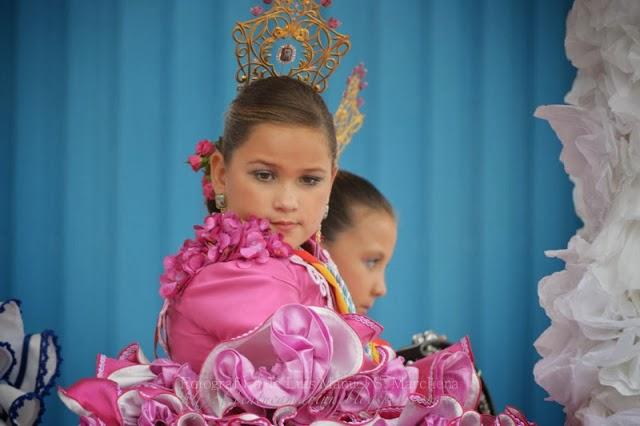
point(275, 100)
point(282, 100)
point(348, 192)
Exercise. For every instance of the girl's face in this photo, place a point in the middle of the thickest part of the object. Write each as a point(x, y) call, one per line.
point(281, 173)
point(362, 253)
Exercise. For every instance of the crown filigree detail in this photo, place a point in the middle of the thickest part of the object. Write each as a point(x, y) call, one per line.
point(348, 118)
point(291, 39)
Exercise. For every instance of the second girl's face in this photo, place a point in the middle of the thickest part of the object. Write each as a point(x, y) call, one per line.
point(281, 173)
point(362, 253)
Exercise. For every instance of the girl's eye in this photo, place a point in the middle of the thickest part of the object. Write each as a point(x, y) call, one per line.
point(310, 180)
point(263, 175)
point(371, 263)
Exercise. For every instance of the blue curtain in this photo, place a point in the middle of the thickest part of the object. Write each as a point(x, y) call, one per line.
point(101, 103)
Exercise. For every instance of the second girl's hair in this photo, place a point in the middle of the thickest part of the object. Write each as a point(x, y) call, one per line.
point(348, 192)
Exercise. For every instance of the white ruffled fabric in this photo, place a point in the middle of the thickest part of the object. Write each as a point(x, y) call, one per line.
point(29, 365)
point(591, 352)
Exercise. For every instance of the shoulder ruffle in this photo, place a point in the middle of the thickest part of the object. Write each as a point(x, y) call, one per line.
point(223, 237)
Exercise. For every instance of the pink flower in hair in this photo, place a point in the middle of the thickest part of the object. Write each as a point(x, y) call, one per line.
point(256, 10)
point(195, 161)
point(325, 3)
point(205, 148)
point(333, 23)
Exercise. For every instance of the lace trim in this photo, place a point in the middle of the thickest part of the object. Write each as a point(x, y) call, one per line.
point(101, 364)
point(18, 403)
point(24, 360)
point(7, 345)
point(333, 268)
point(363, 320)
point(316, 277)
point(6, 302)
point(128, 352)
point(42, 388)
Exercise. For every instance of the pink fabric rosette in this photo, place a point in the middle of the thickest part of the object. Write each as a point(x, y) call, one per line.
point(131, 390)
point(385, 387)
point(450, 372)
point(286, 361)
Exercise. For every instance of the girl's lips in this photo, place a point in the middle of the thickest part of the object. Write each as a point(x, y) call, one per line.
point(284, 226)
point(364, 309)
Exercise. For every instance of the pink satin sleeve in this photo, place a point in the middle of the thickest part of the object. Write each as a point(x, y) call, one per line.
point(228, 299)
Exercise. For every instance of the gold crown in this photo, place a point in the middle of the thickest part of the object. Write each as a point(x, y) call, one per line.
point(348, 118)
point(289, 26)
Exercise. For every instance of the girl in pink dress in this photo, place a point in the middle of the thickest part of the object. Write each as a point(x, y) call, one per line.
point(258, 325)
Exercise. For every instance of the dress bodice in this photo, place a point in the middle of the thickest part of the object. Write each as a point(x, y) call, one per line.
point(227, 299)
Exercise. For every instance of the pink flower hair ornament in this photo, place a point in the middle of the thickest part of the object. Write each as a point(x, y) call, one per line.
point(200, 161)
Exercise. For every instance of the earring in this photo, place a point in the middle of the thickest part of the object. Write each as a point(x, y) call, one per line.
point(326, 212)
point(221, 202)
point(318, 241)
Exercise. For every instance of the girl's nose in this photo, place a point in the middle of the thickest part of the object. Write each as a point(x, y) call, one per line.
point(380, 288)
point(286, 199)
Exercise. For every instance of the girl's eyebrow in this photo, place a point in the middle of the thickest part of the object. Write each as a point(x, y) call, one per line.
point(318, 170)
point(265, 163)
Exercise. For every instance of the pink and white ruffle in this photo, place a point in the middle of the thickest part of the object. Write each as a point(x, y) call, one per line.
point(304, 365)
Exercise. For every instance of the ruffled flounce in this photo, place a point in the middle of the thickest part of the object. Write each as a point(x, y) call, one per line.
point(304, 365)
point(29, 366)
point(591, 355)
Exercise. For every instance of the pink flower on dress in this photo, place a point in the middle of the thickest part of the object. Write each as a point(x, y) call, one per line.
point(256, 10)
point(205, 148)
point(222, 237)
point(195, 161)
point(267, 1)
point(153, 413)
point(255, 248)
point(333, 23)
point(325, 3)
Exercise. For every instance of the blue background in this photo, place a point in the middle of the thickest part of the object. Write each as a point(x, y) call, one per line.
point(102, 101)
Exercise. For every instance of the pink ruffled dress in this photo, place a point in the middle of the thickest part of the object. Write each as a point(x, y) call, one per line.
point(253, 340)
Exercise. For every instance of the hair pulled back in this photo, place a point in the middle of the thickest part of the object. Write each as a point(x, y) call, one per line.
point(282, 100)
point(348, 192)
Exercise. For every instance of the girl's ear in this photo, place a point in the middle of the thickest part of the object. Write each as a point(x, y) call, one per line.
point(218, 172)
